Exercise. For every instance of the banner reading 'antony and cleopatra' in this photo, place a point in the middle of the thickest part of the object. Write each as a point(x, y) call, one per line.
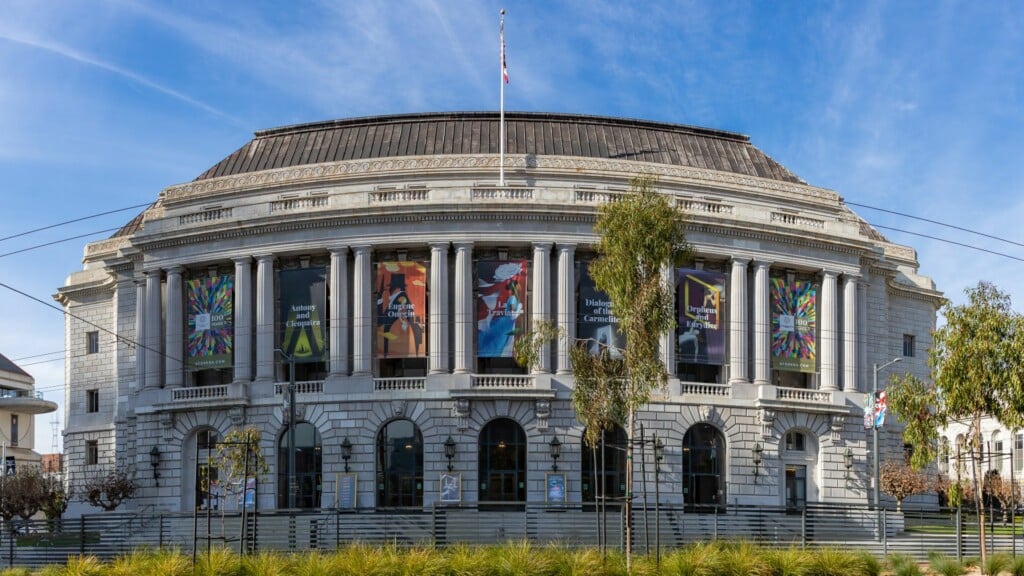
point(595, 322)
point(794, 325)
point(701, 334)
point(501, 306)
point(210, 321)
point(304, 311)
point(401, 309)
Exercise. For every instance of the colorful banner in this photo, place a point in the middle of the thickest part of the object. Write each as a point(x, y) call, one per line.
point(595, 322)
point(401, 309)
point(794, 325)
point(700, 336)
point(501, 306)
point(211, 322)
point(881, 406)
point(304, 314)
point(869, 411)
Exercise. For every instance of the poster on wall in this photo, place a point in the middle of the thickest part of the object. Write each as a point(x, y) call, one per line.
point(794, 325)
point(345, 498)
point(451, 488)
point(701, 333)
point(554, 488)
point(501, 306)
point(401, 309)
point(304, 314)
point(595, 322)
point(211, 322)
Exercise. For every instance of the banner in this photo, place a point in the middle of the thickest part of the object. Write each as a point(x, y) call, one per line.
point(794, 325)
point(304, 313)
point(401, 309)
point(501, 306)
point(869, 411)
point(881, 404)
point(595, 322)
point(211, 322)
point(701, 334)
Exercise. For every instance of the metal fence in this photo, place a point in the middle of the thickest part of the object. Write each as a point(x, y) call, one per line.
point(881, 532)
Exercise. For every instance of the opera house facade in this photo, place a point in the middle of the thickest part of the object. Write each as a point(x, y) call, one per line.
point(377, 271)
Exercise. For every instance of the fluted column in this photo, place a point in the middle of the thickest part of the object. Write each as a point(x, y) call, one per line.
point(362, 317)
point(542, 298)
point(762, 324)
point(439, 308)
point(243, 319)
point(339, 312)
point(265, 318)
point(862, 335)
point(850, 333)
point(829, 328)
point(566, 304)
point(667, 339)
point(153, 324)
point(174, 376)
point(140, 333)
point(738, 324)
point(463, 307)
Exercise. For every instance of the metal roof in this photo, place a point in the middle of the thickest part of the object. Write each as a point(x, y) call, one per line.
point(7, 366)
point(478, 132)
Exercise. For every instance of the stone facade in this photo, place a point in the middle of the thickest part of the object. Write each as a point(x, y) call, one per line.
point(445, 211)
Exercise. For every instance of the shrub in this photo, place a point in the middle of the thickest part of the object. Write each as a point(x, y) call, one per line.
point(945, 565)
point(832, 562)
point(996, 563)
point(1017, 567)
point(871, 566)
point(740, 559)
point(694, 560)
point(786, 562)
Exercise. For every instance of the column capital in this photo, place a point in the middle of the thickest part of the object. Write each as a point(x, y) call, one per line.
point(338, 250)
point(362, 249)
point(851, 277)
point(266, 257)
point(176, 270)
point(242, 259)
point(542, 246)
point(758, 263)
point(739, 260)
point(568, 248)
point(463, 245)
point(826, 273)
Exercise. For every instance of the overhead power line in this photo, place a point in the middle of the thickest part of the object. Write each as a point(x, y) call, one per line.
point(936, 222)
point(62, 240)
point(66, 222)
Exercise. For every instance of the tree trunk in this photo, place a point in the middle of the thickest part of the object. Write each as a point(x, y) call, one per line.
point(630, 423)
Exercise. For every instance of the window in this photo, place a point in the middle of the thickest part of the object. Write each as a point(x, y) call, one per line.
point(611, 483)
point(908, 345)
point(1018, 451)
point(92, 342)
point(92, 401)
point(92, 452)
point(502, 462)
point(703, 467)
point(795, 442)
point(943, 459)
point(208, 492)
point(400, 465)
point(308, 467)
point(14, 429)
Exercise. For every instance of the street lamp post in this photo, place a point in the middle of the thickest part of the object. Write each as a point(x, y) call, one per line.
point(876, 480)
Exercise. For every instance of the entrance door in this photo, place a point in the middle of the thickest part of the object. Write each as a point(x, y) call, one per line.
point(796, 486)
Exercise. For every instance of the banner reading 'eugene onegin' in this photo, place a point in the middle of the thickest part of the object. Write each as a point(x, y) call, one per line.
point(401, 309)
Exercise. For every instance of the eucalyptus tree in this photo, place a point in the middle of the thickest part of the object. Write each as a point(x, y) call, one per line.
point(640, 239)
point(977, 371)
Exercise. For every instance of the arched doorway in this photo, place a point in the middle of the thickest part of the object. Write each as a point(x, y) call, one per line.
point(200, 465)
point(703, 467)
point(502, 463)
point(399, 465)
point(308, 467)
point(611, 476)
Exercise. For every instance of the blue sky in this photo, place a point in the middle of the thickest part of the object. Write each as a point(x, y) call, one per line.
point(911, 106)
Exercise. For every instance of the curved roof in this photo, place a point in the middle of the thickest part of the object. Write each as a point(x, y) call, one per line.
point(477, 133)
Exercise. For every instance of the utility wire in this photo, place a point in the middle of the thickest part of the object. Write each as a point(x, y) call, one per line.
point(59, 241)
point(66, 222)
point(968, 230)
point(37, 355)
point(978, 248)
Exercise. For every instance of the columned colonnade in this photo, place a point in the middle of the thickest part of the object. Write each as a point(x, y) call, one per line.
point(156, 324)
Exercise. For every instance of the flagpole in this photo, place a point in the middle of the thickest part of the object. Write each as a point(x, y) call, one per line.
point(501, 81)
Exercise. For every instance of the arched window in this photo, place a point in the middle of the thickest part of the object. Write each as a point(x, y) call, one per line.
point(308, 467)
point(943, 458)
point(200, 478)
point(703, 466)
point(611, 469)
point(399, 465)
point(502, 462)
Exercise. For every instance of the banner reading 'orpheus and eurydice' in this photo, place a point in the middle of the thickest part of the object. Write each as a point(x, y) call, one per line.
point(701, 336)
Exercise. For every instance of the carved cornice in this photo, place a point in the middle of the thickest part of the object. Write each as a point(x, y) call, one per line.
point(933, 297)
point(333, 171)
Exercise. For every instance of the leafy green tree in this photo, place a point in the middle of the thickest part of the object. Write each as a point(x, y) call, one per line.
point(977, 370)
point(56, 496)
point(640, 235)
point(238, 457)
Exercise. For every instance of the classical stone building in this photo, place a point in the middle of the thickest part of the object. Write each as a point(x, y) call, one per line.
point(386, 259)
point(19, 405)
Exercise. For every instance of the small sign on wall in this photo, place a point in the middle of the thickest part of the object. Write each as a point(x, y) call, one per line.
point(451, 487)
point(554, 488)
point(346, 493)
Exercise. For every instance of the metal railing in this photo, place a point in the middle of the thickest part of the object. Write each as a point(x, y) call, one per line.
point(881, 532)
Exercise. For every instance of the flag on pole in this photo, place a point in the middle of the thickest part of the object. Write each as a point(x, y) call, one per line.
point(504, 66)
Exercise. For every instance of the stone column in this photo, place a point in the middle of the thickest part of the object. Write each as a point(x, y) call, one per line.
point(141, 337)
point(174, 376)
point(862, 335)
point(153, 325)
point(668, 338)
point(566, 304)
point(463, 307)
point(362, 321)
point(850, 333)
point(439, 308)
point(243, 319)
point(738, 325)
point(542, 299)
point(339, 312)
point(762, 324)
point(265, 318)
point(827, 338)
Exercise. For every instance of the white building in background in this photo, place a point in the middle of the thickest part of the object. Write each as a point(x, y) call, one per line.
point(384, 256)
point(1002, 450)
point(19, 405)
